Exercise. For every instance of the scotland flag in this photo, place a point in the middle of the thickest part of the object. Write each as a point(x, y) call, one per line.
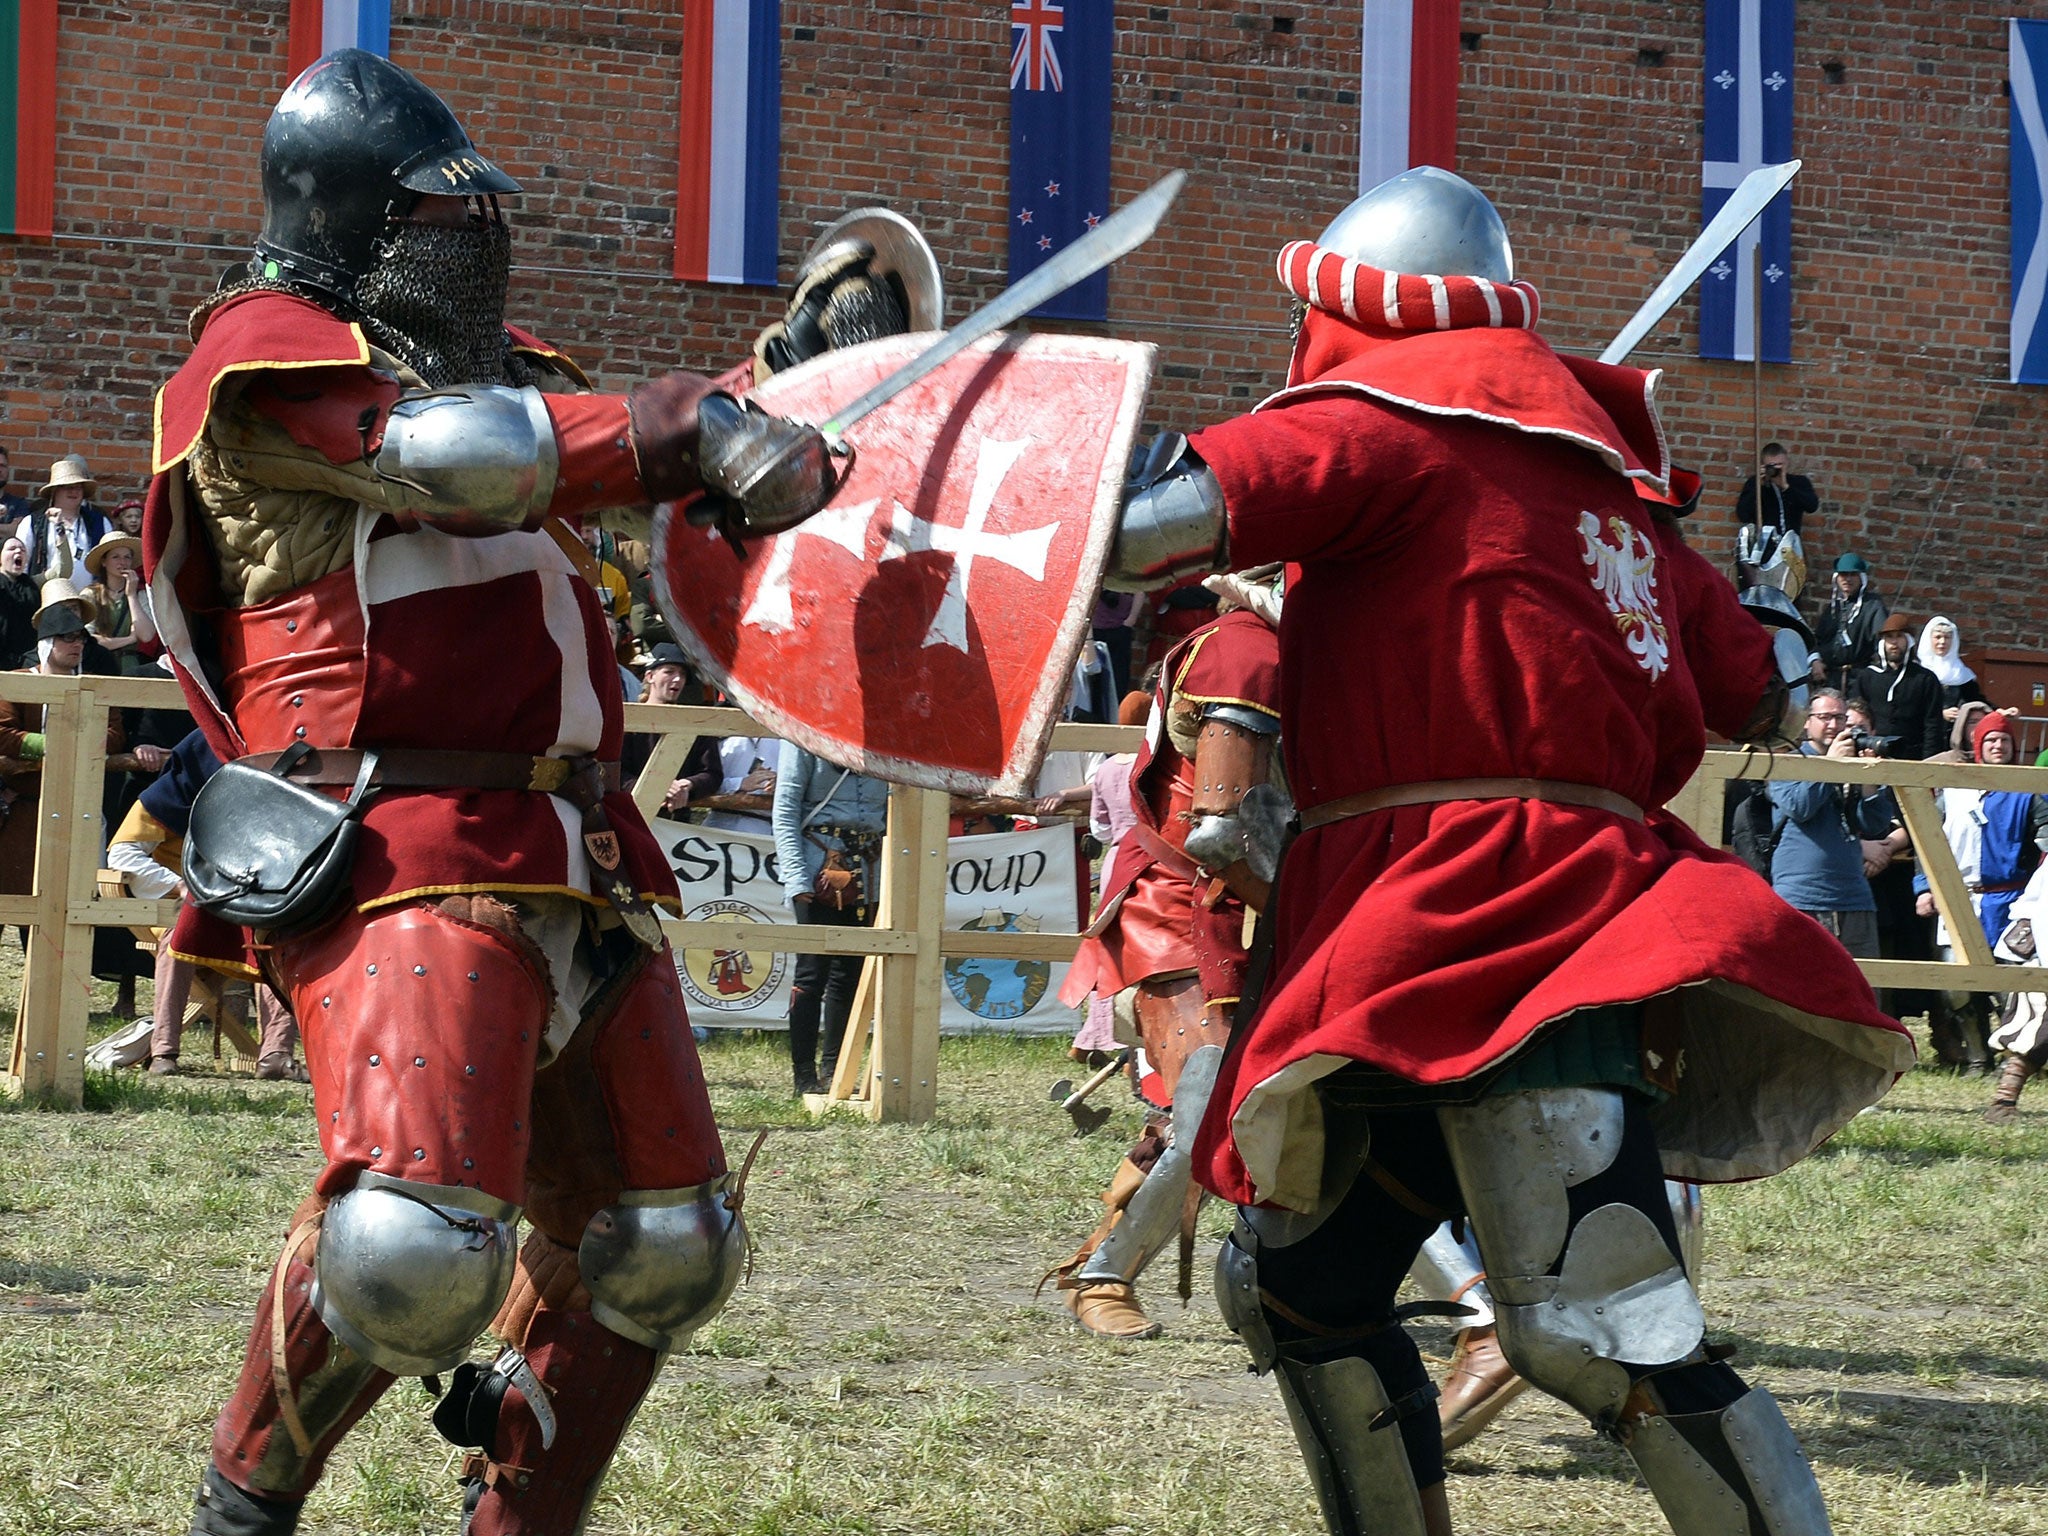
point(1059, 139)
point(1748, 124)
point(2029, 73)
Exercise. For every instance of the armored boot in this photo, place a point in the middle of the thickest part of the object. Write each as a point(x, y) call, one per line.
point(2004, 1107)
point(290, 1407)
point(1109, 1308)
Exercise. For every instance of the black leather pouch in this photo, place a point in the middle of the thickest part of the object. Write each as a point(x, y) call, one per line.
point(263, 852)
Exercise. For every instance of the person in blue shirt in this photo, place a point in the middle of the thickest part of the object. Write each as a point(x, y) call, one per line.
point(828, 833)
point(1821, 859)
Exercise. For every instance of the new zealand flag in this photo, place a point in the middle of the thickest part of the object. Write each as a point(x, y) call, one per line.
point(1059, 139)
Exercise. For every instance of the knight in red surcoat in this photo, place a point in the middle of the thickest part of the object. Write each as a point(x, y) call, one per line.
point(1506, 983)
point(1169, 939)
point(358, 539)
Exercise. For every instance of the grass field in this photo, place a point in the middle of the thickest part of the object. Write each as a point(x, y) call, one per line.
point(887, 1369)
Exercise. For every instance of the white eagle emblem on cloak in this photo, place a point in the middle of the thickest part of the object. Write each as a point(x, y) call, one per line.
point(1625, 572)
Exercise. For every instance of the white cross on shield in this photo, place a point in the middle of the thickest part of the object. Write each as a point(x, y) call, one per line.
point(923, 626)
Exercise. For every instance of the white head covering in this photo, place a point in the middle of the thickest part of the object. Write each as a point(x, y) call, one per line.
point(1949, 669)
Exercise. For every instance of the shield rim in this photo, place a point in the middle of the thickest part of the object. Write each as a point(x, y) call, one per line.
point(1034, 732)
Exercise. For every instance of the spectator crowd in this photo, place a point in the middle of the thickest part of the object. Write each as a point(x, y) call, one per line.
point(1888, 684)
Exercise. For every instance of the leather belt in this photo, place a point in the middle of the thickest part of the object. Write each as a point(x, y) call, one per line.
point(435, 768)
point(1555, 791)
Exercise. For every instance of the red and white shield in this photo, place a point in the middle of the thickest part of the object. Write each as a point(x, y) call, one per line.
point(923, 626)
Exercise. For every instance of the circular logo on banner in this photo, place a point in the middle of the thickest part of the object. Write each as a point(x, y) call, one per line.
point(995, 989)
point(729, 980)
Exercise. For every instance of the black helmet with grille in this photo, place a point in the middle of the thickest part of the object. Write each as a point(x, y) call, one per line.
point(355, 142)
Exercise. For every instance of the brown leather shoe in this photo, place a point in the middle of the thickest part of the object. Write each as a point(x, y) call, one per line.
point(163, 1066)
point(278, 1067)
point(1479, 1384)
point(1109, 1309)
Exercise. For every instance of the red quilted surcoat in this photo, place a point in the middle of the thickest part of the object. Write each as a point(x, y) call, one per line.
point(1476, 591)
point(424, 640)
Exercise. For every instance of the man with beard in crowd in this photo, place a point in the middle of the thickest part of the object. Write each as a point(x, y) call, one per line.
point(1905, 698)
point(364, 478)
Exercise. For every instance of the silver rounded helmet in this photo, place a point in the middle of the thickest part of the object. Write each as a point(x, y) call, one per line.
point(1424, 220)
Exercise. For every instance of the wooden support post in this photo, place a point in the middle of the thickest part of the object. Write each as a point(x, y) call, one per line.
point(1698, 805)
point(848, 1076)
point(659, 772)
point(48, 1060)
point(1951, 895)
point(903, 1082)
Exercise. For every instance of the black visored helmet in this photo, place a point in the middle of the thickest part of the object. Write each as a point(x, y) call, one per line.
point(355, 141)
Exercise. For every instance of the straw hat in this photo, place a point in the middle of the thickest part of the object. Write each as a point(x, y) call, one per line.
point(111, 540)
point(59, 590)
point(69, 470)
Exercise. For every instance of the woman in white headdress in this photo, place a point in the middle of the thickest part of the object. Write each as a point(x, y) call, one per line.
point(1941, 652)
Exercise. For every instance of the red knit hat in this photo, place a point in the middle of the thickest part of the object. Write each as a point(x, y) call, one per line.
point(1994, 723)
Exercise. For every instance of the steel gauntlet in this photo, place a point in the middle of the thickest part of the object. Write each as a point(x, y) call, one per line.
point(761, 473)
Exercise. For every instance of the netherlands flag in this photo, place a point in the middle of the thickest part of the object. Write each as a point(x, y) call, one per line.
point(1408, 88)
point(321, 26)
point(728, 176)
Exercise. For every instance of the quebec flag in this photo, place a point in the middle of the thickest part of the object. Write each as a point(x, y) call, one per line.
point(2028, 72)
point(1059, 140)
point(1749, 75)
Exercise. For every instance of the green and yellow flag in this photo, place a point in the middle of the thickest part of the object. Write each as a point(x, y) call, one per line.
point(28, 116)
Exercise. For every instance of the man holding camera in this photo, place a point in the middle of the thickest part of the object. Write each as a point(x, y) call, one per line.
point(1823, 857)
point(1768, 544)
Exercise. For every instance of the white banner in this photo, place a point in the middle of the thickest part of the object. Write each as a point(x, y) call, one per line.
point(1008, 882)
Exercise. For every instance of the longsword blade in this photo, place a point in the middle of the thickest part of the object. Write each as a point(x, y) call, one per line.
point(1745, 204)
point(1116, 236)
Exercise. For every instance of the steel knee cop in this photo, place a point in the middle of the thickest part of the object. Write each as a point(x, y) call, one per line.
point(409, 1274)
point(1619, 1296)
point(659, 1263)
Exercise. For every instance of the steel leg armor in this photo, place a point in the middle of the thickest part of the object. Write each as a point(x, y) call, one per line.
point(1595, 1308)
point(1154, 1213)
point(1351, 1405)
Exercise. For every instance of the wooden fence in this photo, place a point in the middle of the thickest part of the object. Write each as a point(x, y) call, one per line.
point(888, 1064)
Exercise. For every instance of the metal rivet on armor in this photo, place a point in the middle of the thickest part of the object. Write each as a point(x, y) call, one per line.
point(376, 1151)
point(291, 626)
point(419, 1061)
point(326, 1002)
point(373, 970)
point(523, 1479)
point(469, 1071)
point(618, 442)
point(472, 975)
point(378, 1061)
point(515, 1125)
point(419, 1154)
point(299, 731)
point(419, 970)
point(335, 1117)
point(468, 1163)
point(671, 1130)
point(298, 701)
point(646, 1034)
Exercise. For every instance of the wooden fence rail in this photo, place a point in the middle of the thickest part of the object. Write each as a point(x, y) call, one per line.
point(888, 1062)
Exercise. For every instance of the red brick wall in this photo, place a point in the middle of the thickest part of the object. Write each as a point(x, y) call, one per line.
point(1925, 462)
